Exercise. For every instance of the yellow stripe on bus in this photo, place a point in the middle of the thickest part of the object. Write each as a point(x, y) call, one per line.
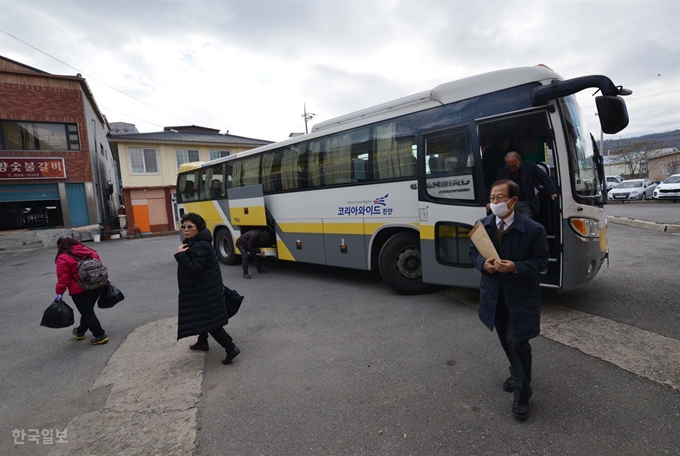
point(427, 232)
point(371, 228)
point(314, 228)
point(343, 228)
point(205, 209)
point(256, 216)
point(282, 251)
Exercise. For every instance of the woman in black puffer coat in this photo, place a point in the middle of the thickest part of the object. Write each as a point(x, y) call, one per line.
point(202, 308)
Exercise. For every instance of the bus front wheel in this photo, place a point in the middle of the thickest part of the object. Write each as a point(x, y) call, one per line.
point(401, 266)
point(224, 246)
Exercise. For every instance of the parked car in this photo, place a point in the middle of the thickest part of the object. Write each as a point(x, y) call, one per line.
point(633, 189)
point(613, 181)
point(668, 189)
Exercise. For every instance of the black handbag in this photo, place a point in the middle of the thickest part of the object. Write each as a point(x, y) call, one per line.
point(110, 296)
point(57, 315)
point(232, 300)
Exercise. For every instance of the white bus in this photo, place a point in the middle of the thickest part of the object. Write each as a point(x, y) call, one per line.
point(396, 188)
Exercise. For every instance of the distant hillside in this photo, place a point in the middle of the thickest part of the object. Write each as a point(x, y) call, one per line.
point(663, 140)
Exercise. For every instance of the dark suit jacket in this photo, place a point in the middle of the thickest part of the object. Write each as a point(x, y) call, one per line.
point(530, 173)
point(525, 243)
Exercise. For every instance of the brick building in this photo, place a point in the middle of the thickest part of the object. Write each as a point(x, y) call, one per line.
point(56, 165)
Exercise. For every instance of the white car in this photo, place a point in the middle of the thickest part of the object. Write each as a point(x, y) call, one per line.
point(633, 189)
point(668, 189)
point(613, 181)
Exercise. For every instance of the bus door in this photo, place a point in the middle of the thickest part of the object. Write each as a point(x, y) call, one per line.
point(246, 206)
point(531, 134)
point(448, 194)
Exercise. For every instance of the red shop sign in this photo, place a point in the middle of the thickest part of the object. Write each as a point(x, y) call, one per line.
point(32, 168)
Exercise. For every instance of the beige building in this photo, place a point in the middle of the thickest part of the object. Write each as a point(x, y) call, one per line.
point(664, 165)
point(149, 163)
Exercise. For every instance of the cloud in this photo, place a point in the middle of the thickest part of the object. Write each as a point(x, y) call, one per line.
point(248, 66)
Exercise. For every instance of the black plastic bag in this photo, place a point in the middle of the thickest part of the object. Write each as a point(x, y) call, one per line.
point(233, 301)
point(110, 296)
point(57, 315)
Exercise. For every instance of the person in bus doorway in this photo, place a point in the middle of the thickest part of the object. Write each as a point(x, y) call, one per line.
point(510, 295)
point(251, 242)
point(69, 250)
point(526, 175)
point(494, 154)
point(202, 309)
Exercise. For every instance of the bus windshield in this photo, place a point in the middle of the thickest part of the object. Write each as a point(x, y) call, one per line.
point(582, 161)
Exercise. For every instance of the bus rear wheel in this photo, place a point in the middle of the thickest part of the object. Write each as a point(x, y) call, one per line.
point(224, 246)
point(401, 266)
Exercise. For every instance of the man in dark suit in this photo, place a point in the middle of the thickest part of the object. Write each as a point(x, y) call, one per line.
point(526, 174)
point(510, 296)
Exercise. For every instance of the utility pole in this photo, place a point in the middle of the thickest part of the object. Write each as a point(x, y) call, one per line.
point(307, 116)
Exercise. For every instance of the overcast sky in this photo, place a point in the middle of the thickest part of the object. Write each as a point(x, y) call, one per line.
point(247, 66)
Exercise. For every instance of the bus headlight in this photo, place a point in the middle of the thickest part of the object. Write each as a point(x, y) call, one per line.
point(584, 227)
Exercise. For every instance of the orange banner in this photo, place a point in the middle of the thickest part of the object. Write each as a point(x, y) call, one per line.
point(32, 168)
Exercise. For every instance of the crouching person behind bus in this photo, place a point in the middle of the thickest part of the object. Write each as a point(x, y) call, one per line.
point(202, 308)
point(250, 242)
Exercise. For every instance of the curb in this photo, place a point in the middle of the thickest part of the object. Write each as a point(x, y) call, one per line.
point(152, 407)
point(664, 227)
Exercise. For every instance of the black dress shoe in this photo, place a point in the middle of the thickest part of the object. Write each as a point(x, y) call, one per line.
point(231, 355)
point(509, 384)
point(247, 276)
point(262, 271)
point(199, 346)
point(520, 411)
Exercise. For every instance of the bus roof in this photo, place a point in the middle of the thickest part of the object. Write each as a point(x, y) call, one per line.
point(448, 92)
point(189, 166)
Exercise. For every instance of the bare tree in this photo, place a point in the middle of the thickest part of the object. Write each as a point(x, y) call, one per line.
point(635, 158)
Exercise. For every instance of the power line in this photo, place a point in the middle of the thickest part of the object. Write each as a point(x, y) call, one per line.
point(101, 82)
point(132, 117)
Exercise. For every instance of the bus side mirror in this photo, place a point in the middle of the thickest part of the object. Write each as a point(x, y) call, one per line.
point(612, 113)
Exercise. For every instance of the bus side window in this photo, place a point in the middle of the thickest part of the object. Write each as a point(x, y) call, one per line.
point(437, 165)
point(315, 170)
point(271, 171)
point(449, 165)
point(394, 145)
point(189, 191)
point(358, 170)
point(216, 175)
point(229, 176)
point(203, 186)
point(215, 188)
point(293, 167)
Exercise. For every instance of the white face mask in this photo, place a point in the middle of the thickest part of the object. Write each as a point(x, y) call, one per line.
point(500, 209)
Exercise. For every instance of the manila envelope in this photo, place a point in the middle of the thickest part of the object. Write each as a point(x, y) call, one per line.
point(482, 242)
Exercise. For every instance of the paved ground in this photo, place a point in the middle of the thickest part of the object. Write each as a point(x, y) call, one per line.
point(651, 211)
point(401, 376)
point(418, 380)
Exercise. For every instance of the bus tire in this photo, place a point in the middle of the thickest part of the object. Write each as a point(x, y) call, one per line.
point(401, 266)
point(224, 246)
